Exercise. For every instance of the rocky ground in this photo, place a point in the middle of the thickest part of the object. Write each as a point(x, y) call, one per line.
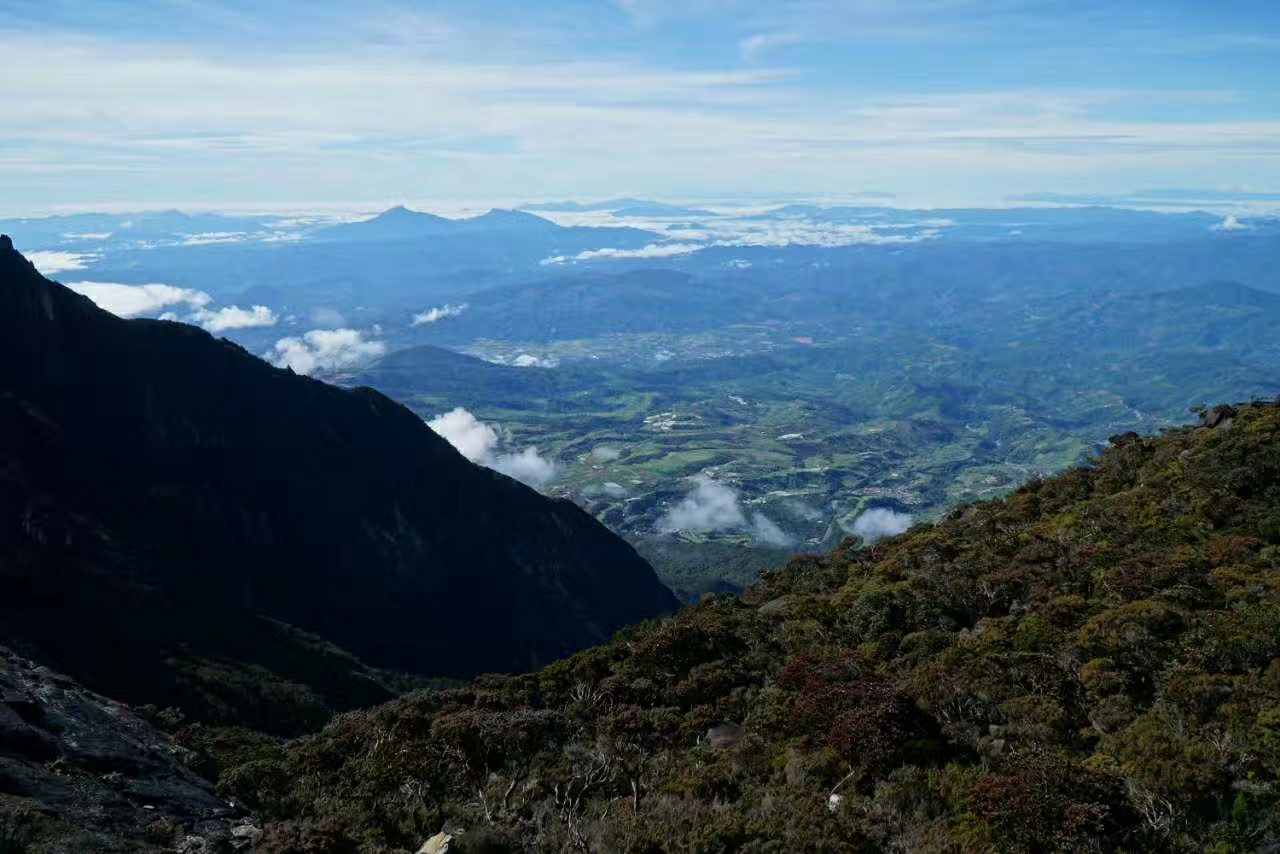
point(79, 772)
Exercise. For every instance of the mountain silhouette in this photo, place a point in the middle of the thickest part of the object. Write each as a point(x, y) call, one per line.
point(188, 524)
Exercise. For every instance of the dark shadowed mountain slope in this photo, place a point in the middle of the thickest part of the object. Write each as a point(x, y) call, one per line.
point(183, 522)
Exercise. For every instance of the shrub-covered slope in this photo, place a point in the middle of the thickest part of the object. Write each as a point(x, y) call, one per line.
point(180, 522)
point(1090, 664)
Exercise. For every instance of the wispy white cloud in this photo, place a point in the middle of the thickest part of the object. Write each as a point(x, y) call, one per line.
point(327, 350)
point(754, 47)
point(214, 237)
point(768, 532)
point(1232, 222)
point(136, 300)
point(608, 489)
point(50, 263)
point(604, 454)
point(435, 315)
point(527, 466)
point(152, 299)
point(327, 318)
point(392, 102)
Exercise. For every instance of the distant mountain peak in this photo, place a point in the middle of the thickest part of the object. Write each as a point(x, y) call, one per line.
point(404, 214)
point(6, 243)
point(506, 214)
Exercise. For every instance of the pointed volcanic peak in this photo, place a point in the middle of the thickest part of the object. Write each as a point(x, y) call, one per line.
point(398, 223)
point(223, 535)
point(501, 220)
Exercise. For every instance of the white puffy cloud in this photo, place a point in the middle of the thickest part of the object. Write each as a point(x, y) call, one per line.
point(435, 315)
point(880, 522)
point(326, 350)
point(135, 300)
point(480, 442)
point(712, 506)
point(709, 506)
point(474, 439)
point(235, 317)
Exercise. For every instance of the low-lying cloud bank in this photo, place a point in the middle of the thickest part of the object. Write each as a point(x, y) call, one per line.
point(326, 350)
point(880, 522)
point(655, 250)
point(137, 300)
point(481, 443)
point(141, 300)
point(711, 506)
point(780, 232)
point(52, 262)
point(435, 315)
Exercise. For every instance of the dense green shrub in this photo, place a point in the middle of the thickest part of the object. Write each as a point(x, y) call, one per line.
point(1090, 664)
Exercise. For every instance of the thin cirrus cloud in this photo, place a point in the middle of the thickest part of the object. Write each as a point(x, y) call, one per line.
point(756, 46)
point(498, 99)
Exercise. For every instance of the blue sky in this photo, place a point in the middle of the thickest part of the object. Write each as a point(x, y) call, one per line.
point(263, 103)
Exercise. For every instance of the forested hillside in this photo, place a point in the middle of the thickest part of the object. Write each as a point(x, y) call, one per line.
point(1090, 664)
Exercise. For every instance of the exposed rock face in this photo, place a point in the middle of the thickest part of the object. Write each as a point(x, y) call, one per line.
point(1218, 416)
point(84, 772)
point(438, 844)
point(211, 531)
